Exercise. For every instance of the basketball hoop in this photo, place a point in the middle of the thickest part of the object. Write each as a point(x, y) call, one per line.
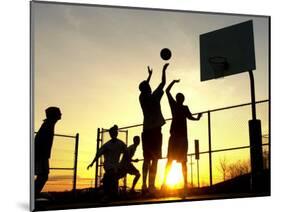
point(219, 65)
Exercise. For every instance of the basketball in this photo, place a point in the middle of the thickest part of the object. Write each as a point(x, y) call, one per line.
point(165, 54)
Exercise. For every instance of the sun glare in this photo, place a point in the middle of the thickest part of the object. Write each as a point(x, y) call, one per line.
point(174, 178)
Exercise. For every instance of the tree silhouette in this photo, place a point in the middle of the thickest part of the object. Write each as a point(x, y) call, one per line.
point(232, 170)
point(239, 168)
point(223, 167)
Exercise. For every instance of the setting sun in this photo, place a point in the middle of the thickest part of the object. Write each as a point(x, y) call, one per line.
point(175, 178)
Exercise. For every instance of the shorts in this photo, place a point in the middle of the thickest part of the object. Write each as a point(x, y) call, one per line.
point(152, 144)
point(129, 169)
point(42, 167)
point(177, 148)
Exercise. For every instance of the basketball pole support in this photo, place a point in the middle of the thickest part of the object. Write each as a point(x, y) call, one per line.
point(255, 140)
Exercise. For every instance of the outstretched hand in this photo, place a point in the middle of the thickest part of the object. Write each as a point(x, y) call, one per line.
point(176, 81)
point(199, 115)
point(149, 70)
point(90, 166)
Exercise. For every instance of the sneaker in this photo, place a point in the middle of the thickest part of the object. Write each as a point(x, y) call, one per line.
point(184, 193)
point(133, 191)
point(152, 189)
point(144, 189)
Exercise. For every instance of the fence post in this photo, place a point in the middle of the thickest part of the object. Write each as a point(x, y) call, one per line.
point(210, 148)
point(125, 178)
point(97, 162)
point(191, 170)
point(196, 145)
point(75, 162)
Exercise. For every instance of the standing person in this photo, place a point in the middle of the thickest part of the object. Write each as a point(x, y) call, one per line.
point(43, 146)
point(126, 166)
point(152, 123)
point(178, 142)
point(111, 151)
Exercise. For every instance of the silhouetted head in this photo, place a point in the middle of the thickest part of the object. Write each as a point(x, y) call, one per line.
point(145, 87)
point(180, 98)
point(136, 140)
point(113, 131)
point(53, 113)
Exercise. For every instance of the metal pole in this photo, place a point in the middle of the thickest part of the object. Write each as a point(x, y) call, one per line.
point(75, 162)
point(253, 96)
point(210, 148)
point(196, 152)
point(101, 159)
point(125, 178)
point(255, 139)
point(97, 162)
point(198, 174)
point(191, 164)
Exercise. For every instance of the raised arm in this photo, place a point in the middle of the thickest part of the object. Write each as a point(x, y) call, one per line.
point(171, 100)
point(163, 81)
point(171, 85)
point(99, 153)
point(149, 73)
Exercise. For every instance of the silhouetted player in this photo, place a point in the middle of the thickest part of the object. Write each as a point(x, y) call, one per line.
point(126, 166)
point(178, 142)
point(152, 123)
point(111, 151)
point(43, 145)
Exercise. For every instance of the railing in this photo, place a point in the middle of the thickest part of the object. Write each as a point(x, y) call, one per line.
point(69, 162)
point(210, 135)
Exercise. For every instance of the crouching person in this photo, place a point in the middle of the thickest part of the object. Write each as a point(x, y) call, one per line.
point(111, 151)
point(126, 165)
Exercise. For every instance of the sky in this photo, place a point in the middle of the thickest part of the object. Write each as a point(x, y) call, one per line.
point(89, 61)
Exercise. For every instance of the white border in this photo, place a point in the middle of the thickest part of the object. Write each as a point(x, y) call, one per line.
point(14, 84)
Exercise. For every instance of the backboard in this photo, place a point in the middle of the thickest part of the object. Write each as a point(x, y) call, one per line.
point(227, 51)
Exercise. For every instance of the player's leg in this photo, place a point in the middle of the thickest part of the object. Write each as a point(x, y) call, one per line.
point(106, 184)
point(110, 184)
point(145, 169)
point(135, 181)
point(146, 158)
point(167, 170)
point(184, 173)
point(133, 171)
point(152, 174)
point(156, 153)
point(40, 183)
point(42, 173)
point(114, 179)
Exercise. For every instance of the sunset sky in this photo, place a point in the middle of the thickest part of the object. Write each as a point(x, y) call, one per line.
point(89, 61)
